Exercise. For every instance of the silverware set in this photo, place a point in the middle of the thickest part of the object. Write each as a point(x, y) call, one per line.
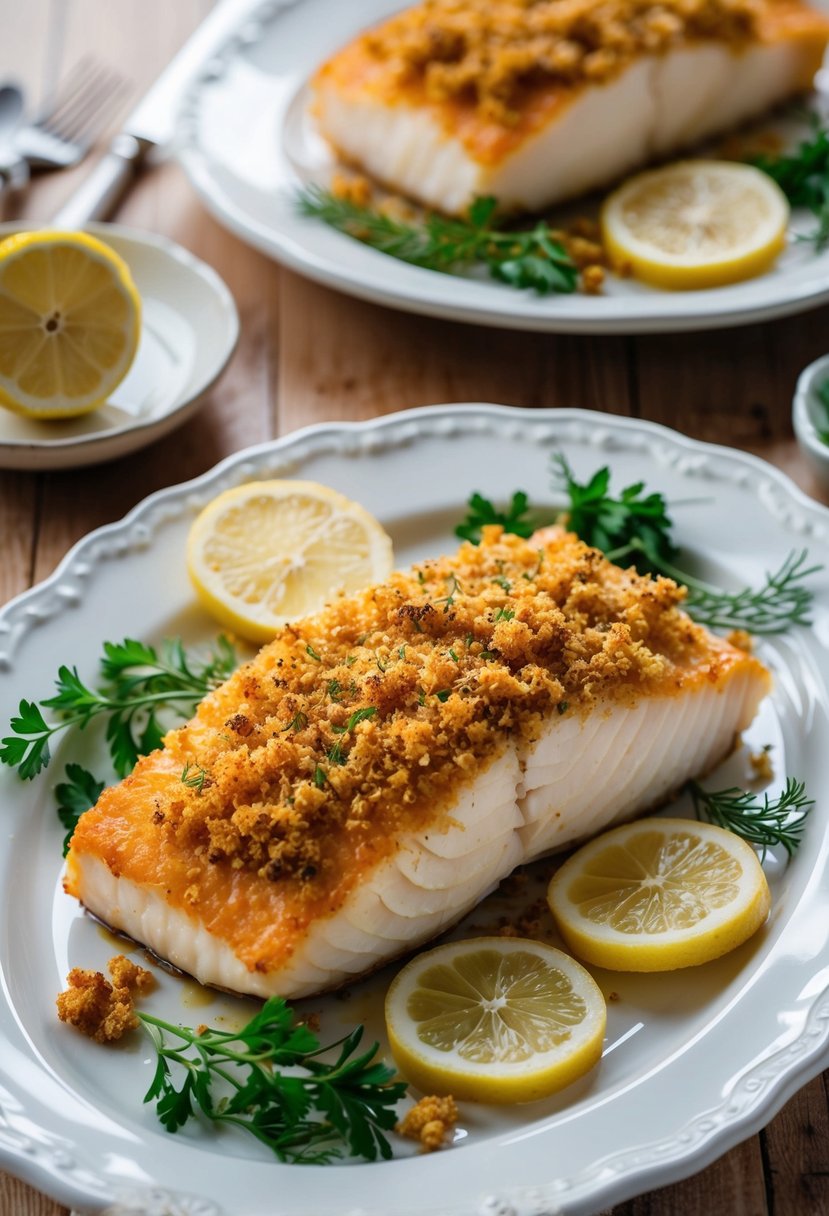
point(65, 131)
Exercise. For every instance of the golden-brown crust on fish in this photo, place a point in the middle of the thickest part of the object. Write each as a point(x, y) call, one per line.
point(362, 723)
point(493, 75)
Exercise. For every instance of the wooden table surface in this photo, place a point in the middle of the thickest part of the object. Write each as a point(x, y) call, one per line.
point(309, 355)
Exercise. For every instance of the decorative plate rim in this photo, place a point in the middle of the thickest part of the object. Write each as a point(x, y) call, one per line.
point(759, 1091)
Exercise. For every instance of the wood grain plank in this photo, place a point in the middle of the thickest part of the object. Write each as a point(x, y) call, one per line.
point(345, 358)
point(796, 1146)
point(17, 1199)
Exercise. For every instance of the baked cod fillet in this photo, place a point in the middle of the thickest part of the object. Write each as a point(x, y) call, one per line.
point(378, 768)
point(536, 101)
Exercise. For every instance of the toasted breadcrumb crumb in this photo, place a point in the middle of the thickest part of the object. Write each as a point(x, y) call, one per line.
point(761, 764)
point(741, 640)
point(430, 1122)
point(101, 1010)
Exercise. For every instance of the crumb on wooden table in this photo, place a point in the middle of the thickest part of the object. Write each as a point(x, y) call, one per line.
point(101, 1010)
point(430, 1121)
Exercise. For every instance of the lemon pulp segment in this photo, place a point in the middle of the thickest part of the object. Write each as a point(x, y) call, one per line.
point(268, 552)
point(494, 1020)
point(69, 323)
point(658, 895)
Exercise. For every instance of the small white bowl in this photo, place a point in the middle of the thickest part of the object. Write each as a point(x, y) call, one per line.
point(189, 330)
point(810, 416)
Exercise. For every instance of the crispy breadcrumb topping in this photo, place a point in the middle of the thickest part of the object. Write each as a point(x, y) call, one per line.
point(494, 53)
point(430, 1121)
point(363, 721)
point(101, 1010)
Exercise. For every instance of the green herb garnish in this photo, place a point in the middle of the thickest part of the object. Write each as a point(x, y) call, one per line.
point(481, 512)
point(313, 1113)
point(77, 794)
point(335, 754)
point(635, 528)
point(141, 689)
point(194, 776)
point(760, 820)
point(803, 176)
point(529, 258)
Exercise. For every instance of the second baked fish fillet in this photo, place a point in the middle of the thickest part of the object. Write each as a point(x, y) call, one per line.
point(378, 768)
point(535, 101)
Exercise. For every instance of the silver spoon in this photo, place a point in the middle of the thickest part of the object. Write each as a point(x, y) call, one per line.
point(14, 172)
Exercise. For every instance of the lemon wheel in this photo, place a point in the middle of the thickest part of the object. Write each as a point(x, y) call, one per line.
point(659, 894)
point(696, 224)
point(268, 552)
point(494, 1020)
point(70, 320)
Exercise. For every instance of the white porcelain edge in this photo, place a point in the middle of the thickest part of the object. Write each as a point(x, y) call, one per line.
point(760, 1091)
point(815, 451)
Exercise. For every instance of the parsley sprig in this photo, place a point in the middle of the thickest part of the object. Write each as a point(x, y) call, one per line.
point(142, 692)
point(480, 512)
point(529, 258)
point(803, 176)
point(762, 821)
point(317, 1112)
point(635, 529)
point(77, 794)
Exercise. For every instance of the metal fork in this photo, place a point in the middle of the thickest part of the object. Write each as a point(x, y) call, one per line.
point(82, 108)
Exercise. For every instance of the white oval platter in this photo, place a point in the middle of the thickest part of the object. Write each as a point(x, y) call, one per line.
point(694, 1061)
point(189, 330)
point(248, 143)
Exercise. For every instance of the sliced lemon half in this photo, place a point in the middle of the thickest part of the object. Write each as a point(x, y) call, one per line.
point(659, 894)
point(696, 224)
point(70, 320)
point(494, 1020)
point(268, 552)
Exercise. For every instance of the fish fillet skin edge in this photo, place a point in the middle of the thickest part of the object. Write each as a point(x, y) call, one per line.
point(533, 794)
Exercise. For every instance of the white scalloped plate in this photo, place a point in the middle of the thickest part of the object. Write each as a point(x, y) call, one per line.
point(694, 1061)
point(248, 142)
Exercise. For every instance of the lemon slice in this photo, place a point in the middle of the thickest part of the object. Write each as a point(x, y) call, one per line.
point(270, 551)
point(494, 1020)
point(70, 319)
point(696, 224)
point(659, 894)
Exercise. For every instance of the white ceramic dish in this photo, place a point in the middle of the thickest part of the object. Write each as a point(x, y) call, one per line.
point(248, 143)
point(810, 417)
point(694, 1061)
point(189, 331)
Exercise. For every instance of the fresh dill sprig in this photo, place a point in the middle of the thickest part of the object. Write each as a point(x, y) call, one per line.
point(762, 821)
point(529, 258)
point(313, 1113)
point(194, 777)
point(141, 690)
point(803, 176)
point(77, 794)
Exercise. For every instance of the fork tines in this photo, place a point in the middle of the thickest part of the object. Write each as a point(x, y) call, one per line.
point(85, 102)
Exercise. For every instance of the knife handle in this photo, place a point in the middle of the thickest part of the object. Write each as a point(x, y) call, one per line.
point(98, 196)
